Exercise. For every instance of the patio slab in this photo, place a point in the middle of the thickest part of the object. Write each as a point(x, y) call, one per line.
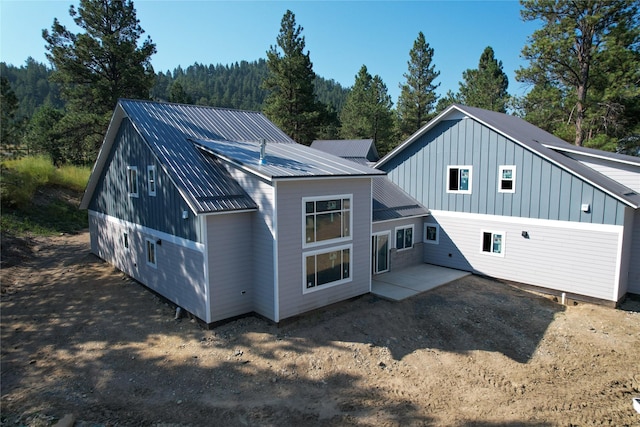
point(410, 281)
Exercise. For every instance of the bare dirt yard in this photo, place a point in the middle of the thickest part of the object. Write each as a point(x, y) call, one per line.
point(80, 338)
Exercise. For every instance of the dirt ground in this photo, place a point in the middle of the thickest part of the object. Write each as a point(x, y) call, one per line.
point(80, 338)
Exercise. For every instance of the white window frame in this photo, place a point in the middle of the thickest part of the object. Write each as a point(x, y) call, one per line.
point(502, 243)
point(395, 237)
point(152, 182)
point(513, 178)
point(424, 234)
point(316, 288)
point(133, 192)
point(314, 199)
point(151, 261)
point(470, 181)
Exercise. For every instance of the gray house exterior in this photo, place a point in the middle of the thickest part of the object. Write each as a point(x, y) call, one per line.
point(221, 213)
point(511, 201)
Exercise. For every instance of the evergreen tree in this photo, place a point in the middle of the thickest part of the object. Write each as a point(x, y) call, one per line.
point(367, 112)
point(291, 102)
point(101, 64)
point(8, 108)
point(587, 53)
point(418, 97)
point(486, 86)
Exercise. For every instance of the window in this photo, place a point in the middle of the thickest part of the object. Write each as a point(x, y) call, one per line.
point(326, 269)
point(493, 243)
point(431, 233)
point(507, 179)
point(151, 179)
point(132, 181)
point(327, 220)
point(459, 179)
point(151, 253)
point(125, 240)
point(404, 237)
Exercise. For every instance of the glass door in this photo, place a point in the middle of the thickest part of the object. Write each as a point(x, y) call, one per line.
point(380, 252)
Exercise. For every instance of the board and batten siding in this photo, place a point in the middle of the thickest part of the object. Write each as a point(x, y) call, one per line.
point(163, 212)
point(179, 275)
point(293, 300)
point(229, 244)
point(578, 258)
point(626, 174)
point(260, 259)
point(543, 190)
point(633, 284)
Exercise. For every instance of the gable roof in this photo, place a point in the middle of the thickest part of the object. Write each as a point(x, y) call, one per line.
point(202, 181)
point(352, 149)
point(530, 137)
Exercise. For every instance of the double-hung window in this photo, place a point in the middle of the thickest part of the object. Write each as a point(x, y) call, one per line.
point(326, 220)
point(151, 179)
point(459, 179)
point(132, 181)
point(404, 237)
point(493, 243)
point(507, 179)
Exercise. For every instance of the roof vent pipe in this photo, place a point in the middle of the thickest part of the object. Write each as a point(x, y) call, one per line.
point(263, 150)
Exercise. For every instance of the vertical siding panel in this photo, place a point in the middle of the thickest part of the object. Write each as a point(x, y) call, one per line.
point(597, 207)
point(519, 194)
point(536, 170)
point(490, 173)
point(554, 193)
point(545, 190)
point(565, 196)
point(576, 199)
point(587, 197)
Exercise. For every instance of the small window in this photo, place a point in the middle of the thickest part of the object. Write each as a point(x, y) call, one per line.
point(404, 237)
point(132, 181)
point(151, 179)
point(459, 179)
point(125, 240)
point(326, 269)
point(507, 179)
point(493, 243)
point(431, 233)
point(151, 253)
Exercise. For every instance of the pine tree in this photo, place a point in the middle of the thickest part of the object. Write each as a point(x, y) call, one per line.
point(8, 108)
point(291, 102)
point(486, 86)
point(418, 97)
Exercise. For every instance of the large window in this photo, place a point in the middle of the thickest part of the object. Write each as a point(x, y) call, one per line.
point(325, 269)
point(327, 220)
point(152, 259)
point(431, 233)
point(132, 181)
point(493, 243)
point(507, 179)
point(459, 179)
point(151, 180)
point(404, 237)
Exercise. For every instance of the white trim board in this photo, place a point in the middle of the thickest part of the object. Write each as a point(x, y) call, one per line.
point(186, 243)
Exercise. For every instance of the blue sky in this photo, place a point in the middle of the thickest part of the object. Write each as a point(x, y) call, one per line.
point(341, 36)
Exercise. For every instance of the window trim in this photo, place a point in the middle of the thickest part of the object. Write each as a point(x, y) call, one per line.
point(152, 183)
point(470, 182)
point(493, 233)
point(314, 199)
point(125, 240)
point(424, 235)
point(135, 193)
point(316, 288)
point(151, 243)
point(513, 178)
point(395, 235)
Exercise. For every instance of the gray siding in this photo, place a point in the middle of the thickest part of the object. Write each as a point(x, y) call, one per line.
point(179, 275)
point(162, 212)
point(625, 174)
point(229, 244)
point(580, 259)
point(290, 251)
point(633, 284)
point(543, 190)
point(406, 257)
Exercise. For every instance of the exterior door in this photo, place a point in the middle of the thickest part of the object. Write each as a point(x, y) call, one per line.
point(380, 255)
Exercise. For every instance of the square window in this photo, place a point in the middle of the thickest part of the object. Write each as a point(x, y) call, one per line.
point(507, 179)
point(493, 243)
point(132, 181)
point(431, 233)
point(151, 180)
point(404, 237)
point(459, 179)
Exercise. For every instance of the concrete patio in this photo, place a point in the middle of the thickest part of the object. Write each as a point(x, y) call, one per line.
point(410, 281)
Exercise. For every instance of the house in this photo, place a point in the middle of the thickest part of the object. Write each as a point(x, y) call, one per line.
point(398, 218)
point(221, 213)
point(511, 201)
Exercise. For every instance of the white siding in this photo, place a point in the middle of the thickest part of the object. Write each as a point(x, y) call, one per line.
point(633, 285)
point(575, 258)
point(179, 275)
point(625, 174)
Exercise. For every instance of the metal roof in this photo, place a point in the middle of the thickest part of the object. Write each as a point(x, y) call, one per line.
point(391, 202)
point(534, 139)
point(348, 148)
point(283, 160)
